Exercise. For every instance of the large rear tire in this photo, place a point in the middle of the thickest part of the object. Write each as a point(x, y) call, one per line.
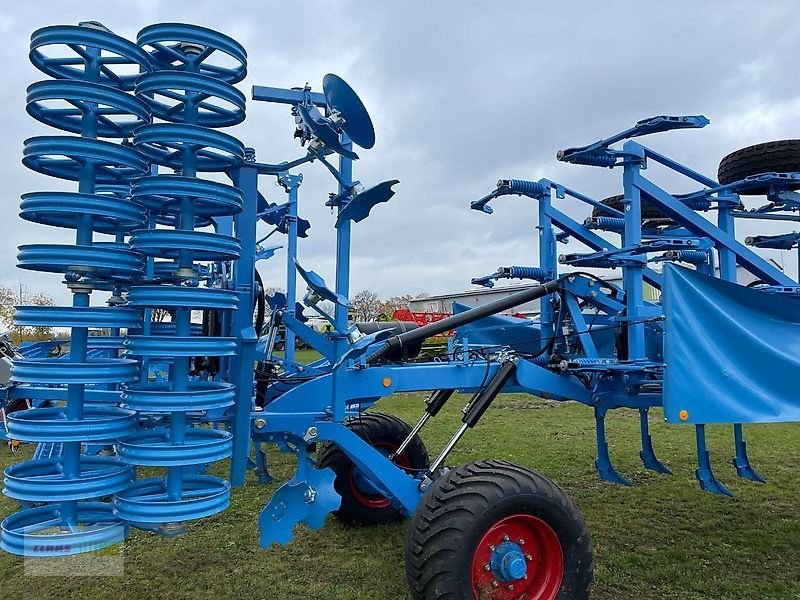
point(491, 530)
point(362, 503)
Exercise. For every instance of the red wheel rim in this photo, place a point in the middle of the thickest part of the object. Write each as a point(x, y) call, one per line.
point(544, 560)
point(378, 501)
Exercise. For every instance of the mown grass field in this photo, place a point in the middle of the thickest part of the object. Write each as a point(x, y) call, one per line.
point(663, 538)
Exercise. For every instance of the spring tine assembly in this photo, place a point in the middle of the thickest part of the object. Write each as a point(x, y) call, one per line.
point(94, 70)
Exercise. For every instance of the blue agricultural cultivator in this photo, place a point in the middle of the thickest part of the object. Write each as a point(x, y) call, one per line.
point(165, 216)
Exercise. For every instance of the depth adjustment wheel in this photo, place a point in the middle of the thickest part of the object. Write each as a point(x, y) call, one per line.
point(491, 530)
point(363, 503)
point(781, 156)
point(650, 213)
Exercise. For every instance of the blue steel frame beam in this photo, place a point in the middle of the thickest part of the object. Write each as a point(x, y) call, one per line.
point(704, 228)
point(355, 384)
point(283, 96)
point(349, 385)
point(594, 241)
point(245, 178)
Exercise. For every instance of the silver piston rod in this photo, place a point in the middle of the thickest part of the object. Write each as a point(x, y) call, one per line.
point(433, 405)
point(472, 414)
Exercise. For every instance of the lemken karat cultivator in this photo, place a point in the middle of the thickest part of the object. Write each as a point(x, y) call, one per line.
point(153, 233)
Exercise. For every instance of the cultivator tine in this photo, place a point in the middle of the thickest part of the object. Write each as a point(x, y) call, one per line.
point(307, 498)
point(741, 461)
point(603, 461)
point(261, 464)
point(704, 473)
point(647, 454)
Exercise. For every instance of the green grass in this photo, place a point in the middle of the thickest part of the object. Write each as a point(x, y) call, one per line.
point(663, 538)
point(304, 355)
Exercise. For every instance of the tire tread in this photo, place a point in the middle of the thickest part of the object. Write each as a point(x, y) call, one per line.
point(779, 156)
point(437, 530)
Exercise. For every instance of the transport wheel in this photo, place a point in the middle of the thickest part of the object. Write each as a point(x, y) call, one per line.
point(491, 530)
point(649, 212)
point(362, 502)
point(16, 405)
point(782, 156)
point(260, 307)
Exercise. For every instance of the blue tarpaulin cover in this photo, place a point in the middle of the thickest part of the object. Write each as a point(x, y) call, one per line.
point(732, 353)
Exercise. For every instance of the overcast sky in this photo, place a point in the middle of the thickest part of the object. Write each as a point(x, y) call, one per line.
point(461, 94)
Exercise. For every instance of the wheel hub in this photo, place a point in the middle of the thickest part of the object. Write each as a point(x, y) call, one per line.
point(508, 562)
point(518, 557)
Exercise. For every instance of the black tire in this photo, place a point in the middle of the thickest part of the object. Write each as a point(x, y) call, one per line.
point(462, 510)
point(16, 405)
point(260, 308)
point(649, 212)
point(360, 507)
point(782, 156)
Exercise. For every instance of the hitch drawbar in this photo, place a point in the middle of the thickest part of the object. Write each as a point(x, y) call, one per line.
point(473, 413)
point(397, 342)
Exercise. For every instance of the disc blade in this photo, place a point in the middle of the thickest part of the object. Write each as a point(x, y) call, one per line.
point(341, 97)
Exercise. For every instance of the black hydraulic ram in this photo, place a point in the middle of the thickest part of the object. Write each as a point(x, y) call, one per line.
point(433, 405)
point(474, 411)
point(396, 343)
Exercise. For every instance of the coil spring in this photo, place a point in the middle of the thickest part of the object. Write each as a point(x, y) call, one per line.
point(189, 94)
point(523, 186)
point(585, 261)
point(542, 359)
point(696, 203)
point(94, 70)
point(535, 273)
point(585, 363)
point(694, 257)
point(615, 224)
point(599, 159)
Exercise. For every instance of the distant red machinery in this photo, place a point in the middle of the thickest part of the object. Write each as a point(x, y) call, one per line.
point(420, 318)
point(423, 318)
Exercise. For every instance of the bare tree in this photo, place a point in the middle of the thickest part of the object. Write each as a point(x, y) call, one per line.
point(394, 303)
point(159, 315)
point(365, 306)
point(9, 298)
point(327, 307)
point(7, 307)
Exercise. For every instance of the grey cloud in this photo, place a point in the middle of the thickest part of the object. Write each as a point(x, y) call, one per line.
point(461, 93)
